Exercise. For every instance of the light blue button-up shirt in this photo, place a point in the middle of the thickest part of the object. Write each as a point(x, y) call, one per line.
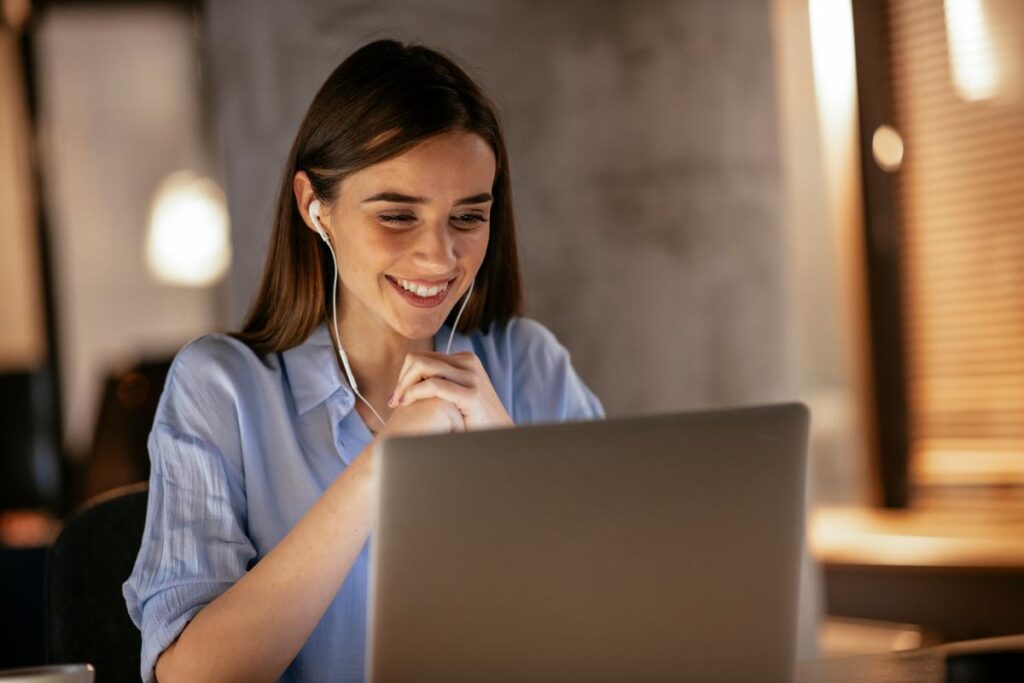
point(242, 446)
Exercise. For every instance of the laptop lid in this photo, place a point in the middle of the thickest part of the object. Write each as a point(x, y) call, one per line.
point(650, 548)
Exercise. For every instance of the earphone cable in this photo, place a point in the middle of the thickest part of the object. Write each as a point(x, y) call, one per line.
point(455, 325)
point(341, 350)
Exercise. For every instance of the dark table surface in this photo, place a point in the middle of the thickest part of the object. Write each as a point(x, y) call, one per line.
point(977, 661)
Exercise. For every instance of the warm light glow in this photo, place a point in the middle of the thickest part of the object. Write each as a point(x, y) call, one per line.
point(843, 637)
point(968, 462)
point(909, 538)
point(887, 147)
point(971, 51)
point(188, 242)
point(834, 58)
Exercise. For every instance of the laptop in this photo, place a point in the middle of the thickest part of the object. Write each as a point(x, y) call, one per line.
point(652, 548)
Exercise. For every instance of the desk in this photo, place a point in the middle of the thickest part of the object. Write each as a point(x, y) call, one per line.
point(927, 665)
point(953, 566)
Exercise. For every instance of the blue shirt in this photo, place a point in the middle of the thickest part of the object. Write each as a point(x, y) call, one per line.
point(243, 445)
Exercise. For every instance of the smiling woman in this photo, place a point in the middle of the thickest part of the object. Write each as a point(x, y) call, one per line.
point(370, 125)
point(253, 564)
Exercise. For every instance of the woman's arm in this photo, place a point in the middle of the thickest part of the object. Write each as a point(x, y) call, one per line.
point(253, 630)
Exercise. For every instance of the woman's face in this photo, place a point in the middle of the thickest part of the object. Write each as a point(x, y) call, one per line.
point(411, 232)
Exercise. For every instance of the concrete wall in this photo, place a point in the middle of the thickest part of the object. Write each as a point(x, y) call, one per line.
point(643, 138)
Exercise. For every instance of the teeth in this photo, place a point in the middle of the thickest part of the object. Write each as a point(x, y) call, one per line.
point(421, 290)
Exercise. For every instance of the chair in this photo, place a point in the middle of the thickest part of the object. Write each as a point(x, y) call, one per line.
point(86, 618)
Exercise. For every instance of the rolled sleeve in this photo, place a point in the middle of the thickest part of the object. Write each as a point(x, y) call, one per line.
point(194, 546)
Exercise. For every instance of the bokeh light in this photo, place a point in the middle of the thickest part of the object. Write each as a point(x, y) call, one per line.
point(189, 237)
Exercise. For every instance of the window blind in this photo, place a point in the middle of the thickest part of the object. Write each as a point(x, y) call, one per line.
point(956, 92)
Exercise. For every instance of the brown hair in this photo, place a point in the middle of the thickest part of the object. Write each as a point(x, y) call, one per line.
point(381, 101)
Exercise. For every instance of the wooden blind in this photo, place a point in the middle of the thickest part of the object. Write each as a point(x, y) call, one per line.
point(957, 97)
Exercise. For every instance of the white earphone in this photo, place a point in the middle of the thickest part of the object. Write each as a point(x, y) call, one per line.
point(314, 216)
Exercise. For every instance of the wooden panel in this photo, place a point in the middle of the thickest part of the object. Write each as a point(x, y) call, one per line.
point(22, 330)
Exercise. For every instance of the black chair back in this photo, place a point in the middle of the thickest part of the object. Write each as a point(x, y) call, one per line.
point(86, 618)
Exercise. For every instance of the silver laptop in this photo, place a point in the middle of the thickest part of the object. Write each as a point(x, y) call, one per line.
point(647, 549)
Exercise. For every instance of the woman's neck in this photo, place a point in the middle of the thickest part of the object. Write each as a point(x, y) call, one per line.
point(376, 354)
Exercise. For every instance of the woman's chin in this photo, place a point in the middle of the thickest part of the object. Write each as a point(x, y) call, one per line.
point(419, 327)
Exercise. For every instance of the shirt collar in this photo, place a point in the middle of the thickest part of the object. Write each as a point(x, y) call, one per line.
point(313, 371)
point(315, 375)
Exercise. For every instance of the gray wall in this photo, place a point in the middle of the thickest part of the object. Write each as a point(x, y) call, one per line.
point(643, 138)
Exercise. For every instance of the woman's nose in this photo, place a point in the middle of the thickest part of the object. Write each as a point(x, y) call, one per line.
point(435, 249)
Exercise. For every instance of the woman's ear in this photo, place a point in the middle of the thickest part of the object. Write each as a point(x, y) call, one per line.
point(304, 196)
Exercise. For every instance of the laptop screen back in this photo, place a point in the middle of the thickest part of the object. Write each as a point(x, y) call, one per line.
point(652, 548)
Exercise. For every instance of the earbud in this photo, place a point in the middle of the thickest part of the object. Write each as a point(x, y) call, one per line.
point(314, 215)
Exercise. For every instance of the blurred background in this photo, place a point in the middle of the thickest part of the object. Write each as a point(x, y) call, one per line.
point(719, 202)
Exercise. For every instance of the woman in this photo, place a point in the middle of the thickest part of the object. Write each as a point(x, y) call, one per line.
point(253, 564)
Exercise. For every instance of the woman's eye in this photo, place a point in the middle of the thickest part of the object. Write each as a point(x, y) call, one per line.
point(397, 219)
point(469, 220)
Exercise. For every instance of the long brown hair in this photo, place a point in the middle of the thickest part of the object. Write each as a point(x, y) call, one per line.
point(381, 101)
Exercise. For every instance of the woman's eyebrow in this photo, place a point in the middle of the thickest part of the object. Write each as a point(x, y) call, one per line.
point(475, 199)
point(408, 199)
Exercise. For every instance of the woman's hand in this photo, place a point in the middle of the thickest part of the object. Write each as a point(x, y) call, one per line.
point(429, 416)
point(458, 378)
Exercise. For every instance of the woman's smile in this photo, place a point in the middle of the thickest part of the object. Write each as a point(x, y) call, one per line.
point(421, 293)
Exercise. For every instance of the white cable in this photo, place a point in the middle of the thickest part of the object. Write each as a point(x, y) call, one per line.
point(337, 337)
point(455, 326)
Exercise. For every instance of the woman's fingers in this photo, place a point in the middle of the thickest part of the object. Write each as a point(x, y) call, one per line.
point(459, 379)
point(429, 416)
point(420, 367)
point(436, 387)
point(463, 360)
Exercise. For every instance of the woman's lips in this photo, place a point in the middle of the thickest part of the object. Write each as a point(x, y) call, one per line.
point(420, 301)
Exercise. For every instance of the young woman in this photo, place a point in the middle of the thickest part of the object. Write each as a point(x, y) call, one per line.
point(253, 565)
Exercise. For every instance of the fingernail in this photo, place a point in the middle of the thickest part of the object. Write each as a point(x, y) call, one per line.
point(391, 400)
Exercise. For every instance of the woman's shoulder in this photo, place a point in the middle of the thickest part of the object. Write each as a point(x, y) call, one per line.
point(217, 354)
point(210, 379)
point(533, 372)
point(520, 335)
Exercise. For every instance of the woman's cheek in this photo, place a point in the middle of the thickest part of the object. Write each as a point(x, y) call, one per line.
point(475, 244)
